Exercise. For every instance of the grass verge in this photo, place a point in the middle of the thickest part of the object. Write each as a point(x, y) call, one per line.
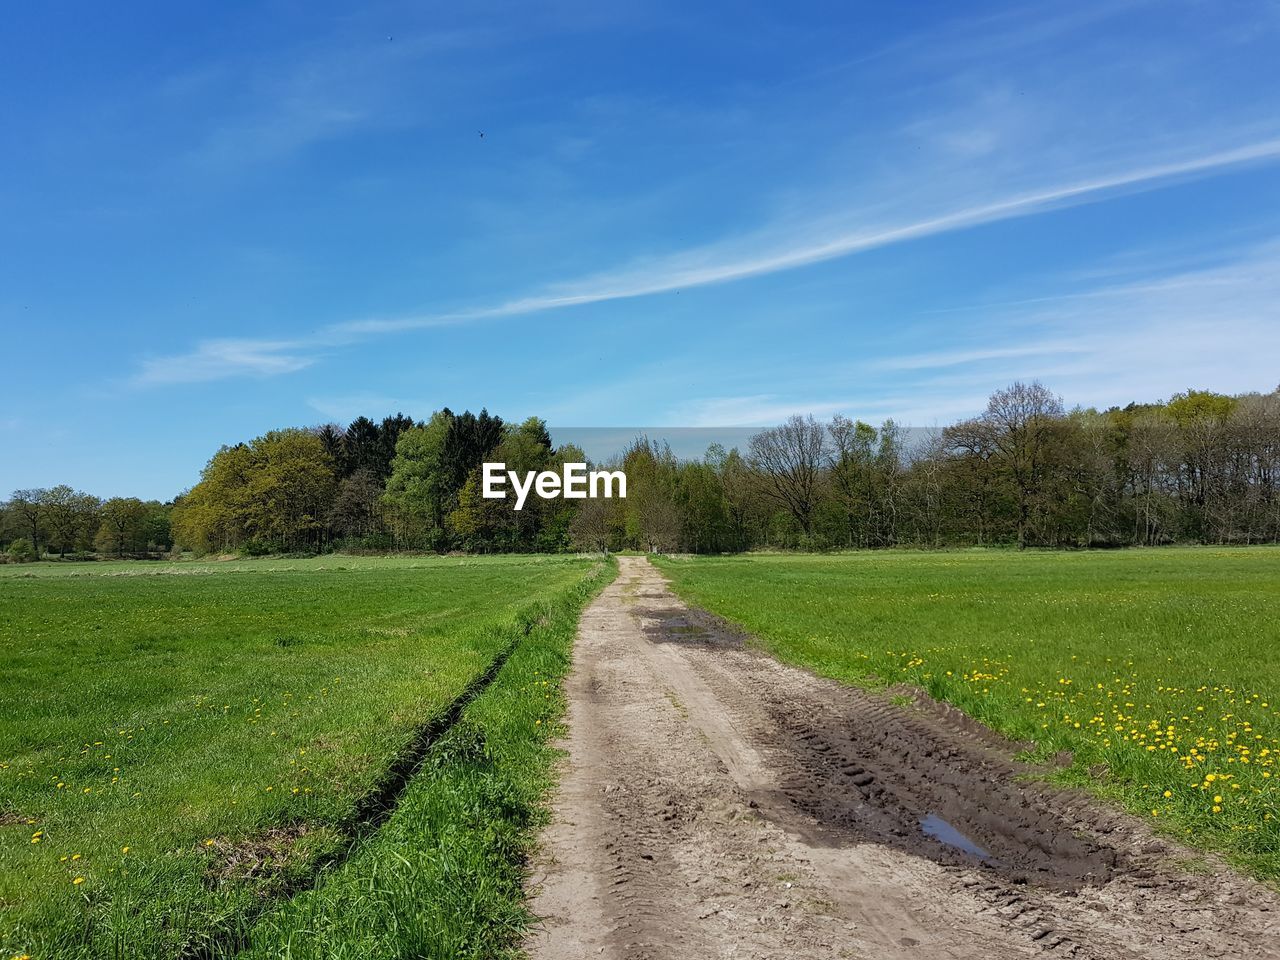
point(442, 877)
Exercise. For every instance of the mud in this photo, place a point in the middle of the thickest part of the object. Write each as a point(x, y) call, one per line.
point(716, 803)
point(856, 767)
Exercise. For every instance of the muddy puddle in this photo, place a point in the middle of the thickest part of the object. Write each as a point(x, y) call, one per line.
point(934, 827)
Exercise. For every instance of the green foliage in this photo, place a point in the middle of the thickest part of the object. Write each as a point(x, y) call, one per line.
point(1160, 667)
point(361, 447)
point(357, 509)
point(468, 441)
point(278, 490)
point(70, 518)
point(417, 490)
point(21, 551)
point(25, 514)
point(124, 527)
point(474, 520)
point(256, 548)
point(1199, 406)
point(434, 496)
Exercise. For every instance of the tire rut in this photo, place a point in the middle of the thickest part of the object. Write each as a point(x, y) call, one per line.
point(368, 814)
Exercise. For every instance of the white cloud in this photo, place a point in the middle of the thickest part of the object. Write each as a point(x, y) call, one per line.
point(964, 357)
point(909, 405)
point(754, 410)
point(220, 359)
point(1217, 327)
point(705, 266)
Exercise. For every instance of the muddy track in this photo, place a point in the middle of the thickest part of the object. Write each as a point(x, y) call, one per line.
point(716, 803)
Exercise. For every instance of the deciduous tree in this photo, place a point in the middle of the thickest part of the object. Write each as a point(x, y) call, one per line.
point(791, 457)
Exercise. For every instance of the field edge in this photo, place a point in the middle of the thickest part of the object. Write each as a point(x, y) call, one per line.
point(444, 875)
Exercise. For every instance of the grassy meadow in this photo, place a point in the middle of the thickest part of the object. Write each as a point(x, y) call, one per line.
point(1159, 670)
point(198, 759)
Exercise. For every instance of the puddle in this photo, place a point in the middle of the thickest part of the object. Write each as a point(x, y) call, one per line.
point(937, 828)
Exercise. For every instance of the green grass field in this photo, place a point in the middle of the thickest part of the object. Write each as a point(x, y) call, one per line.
point(197, 759)
point(1158, 670)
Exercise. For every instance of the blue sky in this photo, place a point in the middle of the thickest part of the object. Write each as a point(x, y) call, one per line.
point(218, 221)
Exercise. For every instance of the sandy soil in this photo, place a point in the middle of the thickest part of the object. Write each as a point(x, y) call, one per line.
point(716, 803)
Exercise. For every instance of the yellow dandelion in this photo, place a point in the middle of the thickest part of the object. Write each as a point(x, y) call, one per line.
point(78, 880)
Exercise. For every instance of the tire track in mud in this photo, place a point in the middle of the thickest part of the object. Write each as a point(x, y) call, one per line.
point(718, 803)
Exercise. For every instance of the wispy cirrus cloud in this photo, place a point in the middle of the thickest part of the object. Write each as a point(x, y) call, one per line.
point(964, 357)
point(1211, 327)
point(701, 267)
point(870, 403)
point(708, 266)
point(219, 359)
point(1218, 326)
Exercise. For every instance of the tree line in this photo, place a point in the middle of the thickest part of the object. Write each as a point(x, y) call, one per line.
point(396, 485)
point(1201, 467)
point(63, 521)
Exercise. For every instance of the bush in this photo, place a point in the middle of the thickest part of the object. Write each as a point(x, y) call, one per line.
point(814, 543)
point(21, 551)
point(256, 548)
point(376, 541)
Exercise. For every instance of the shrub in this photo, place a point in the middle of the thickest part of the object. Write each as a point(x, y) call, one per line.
point(376, 541)
point(21, 551)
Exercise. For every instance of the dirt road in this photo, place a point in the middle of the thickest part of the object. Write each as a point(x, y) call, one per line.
point(715, 803)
